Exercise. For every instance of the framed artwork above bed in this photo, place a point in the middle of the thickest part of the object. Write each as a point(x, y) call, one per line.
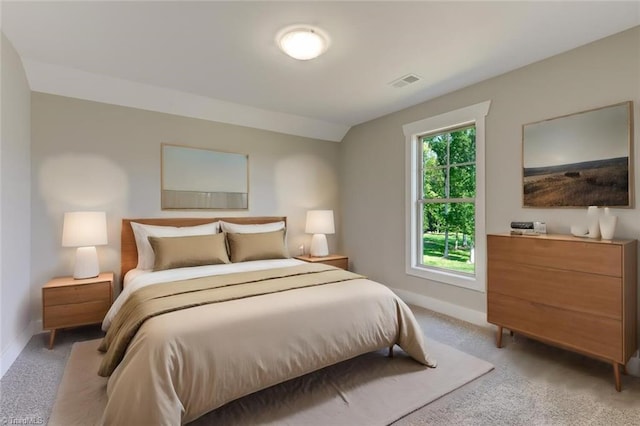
point(195, 178)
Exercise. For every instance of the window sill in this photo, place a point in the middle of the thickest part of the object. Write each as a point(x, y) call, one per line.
point(450, 278)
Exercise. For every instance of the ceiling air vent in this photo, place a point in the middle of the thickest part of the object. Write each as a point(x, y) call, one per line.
point(405, 80)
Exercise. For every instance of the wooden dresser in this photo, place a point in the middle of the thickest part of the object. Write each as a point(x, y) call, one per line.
point(576, 293)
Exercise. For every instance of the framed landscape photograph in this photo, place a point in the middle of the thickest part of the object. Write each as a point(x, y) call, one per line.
point(197, 178)
point(579, 160)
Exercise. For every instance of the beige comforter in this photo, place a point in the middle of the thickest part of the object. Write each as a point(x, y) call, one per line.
point(187, 362)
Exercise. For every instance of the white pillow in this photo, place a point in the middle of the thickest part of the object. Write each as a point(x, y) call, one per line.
point(237, 228)
point(141, 232)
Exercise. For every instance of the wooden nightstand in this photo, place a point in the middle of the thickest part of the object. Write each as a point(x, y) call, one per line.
point(67, 302)
point(337, 260)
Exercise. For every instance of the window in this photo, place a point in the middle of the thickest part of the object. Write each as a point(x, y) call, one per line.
point(446, 240)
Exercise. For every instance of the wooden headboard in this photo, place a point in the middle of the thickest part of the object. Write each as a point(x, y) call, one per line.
point(129, 252)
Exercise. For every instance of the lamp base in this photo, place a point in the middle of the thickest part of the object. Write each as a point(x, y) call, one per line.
point(86, 263)
point(319, 247)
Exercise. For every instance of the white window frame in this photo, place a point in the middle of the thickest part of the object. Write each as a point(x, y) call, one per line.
point(414, 132)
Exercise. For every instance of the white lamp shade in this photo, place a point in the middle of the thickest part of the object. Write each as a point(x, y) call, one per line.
point(320, 222)
point(84, 229)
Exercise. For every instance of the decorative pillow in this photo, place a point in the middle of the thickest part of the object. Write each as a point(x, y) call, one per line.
point(142, 232)
point(237, 228)
point(180, 252)
point(257, 246)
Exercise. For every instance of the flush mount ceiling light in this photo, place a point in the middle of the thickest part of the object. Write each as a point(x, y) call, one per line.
point(302, 42)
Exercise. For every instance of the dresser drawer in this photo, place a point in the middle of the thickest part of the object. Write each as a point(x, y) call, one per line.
point(588, 257)
point(77, 294)
point(60, 316)
point(571, 290)
point(592, 334)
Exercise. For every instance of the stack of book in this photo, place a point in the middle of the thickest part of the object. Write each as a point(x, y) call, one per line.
point(523, 228)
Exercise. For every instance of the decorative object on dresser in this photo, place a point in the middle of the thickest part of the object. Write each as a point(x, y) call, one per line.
point(523, 228)
point(336, 260)
point(319, 223)
point(85, 230)
point(528, 228)
point(580, 230)
point(608, 224)
point(579, 294)
point(593, 221)
point(69, 302)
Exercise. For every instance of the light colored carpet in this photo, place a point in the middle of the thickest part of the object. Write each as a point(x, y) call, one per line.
point(369, 390)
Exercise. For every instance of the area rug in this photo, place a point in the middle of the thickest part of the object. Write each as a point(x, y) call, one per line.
point(371, 389)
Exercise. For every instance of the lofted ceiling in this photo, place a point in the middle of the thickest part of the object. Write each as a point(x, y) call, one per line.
point(219, 61)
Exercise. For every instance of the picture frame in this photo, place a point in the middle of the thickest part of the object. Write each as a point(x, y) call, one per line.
point(198, 178)
point(579, 160)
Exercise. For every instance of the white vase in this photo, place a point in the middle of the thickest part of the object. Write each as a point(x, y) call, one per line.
point(593, 216)
point(608, 226)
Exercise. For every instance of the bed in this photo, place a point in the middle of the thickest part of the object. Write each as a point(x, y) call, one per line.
point(184, 340)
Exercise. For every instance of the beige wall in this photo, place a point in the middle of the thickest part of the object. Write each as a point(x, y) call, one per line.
point(15, 183)
point(373, 174)
point(94, 156)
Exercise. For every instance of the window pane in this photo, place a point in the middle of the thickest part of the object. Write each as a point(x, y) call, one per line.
point(463, 182)
point(463, 146)
point(434, 183)
point(435, 150)
point(448, 232)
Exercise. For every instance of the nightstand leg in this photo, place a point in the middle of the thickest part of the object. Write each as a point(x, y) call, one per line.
point(390, 351)
point(499, 337)
point(52, 337)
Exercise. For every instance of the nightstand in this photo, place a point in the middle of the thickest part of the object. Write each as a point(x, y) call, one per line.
point(337, 260)
point(67, 302)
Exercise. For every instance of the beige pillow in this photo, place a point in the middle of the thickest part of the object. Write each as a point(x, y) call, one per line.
point(142, 232)
point(180, 252)
point(260, 246)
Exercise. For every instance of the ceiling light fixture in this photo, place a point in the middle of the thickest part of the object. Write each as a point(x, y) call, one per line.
point(302, 42)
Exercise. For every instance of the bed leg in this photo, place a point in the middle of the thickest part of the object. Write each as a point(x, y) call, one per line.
point(390, 351)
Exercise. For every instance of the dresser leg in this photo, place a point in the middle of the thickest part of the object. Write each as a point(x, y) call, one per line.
point(616, 375)
point(52, 337)
point(499, 337)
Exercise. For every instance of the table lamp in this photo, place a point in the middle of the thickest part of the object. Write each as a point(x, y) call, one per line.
point(85, 230)
point(319, 223)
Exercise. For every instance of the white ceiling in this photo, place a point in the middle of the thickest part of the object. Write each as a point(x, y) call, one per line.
point(218, 60)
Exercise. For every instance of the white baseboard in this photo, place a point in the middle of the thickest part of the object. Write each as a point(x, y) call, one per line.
point(446, 308)
point(11, 353)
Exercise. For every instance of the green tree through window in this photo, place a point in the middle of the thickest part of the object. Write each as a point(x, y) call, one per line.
point(448, 199)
